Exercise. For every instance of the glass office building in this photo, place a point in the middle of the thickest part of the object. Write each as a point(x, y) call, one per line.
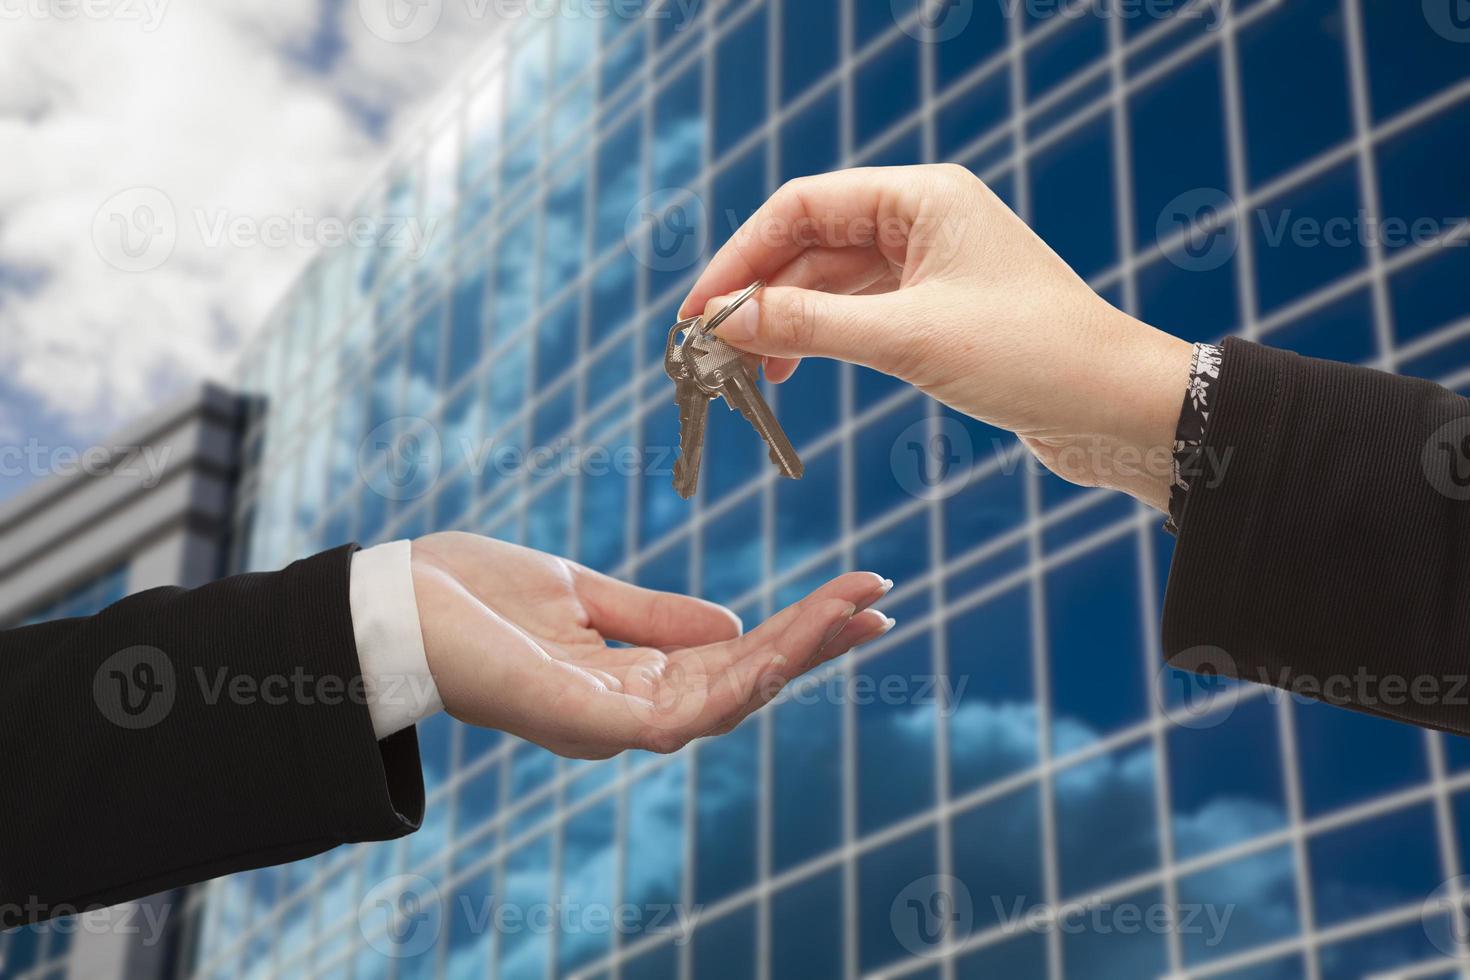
point(1013, 733)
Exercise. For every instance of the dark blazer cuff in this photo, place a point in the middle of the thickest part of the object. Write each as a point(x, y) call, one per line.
point(365, 789)
point(1314, 553)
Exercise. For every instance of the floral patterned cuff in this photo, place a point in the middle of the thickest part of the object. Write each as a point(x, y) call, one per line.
point(1189, 437)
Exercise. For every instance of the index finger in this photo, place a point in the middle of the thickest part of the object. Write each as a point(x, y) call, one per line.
point(848, 208)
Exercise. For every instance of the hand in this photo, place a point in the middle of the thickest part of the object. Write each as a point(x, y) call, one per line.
point(923, 273)
point(517, 640)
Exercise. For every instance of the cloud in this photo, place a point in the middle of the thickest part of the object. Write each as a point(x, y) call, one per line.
point(226, 114)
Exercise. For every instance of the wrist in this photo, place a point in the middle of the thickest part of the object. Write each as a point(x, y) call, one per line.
point(1144, 387)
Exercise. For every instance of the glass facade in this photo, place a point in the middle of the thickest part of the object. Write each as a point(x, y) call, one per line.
point(1029, 751)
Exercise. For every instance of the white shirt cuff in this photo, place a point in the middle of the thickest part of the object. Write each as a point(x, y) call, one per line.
point(390, 644)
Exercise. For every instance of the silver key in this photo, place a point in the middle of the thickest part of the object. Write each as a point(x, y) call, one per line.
point(723, 370)
point(693, 402)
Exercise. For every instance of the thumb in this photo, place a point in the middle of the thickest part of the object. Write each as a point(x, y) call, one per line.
point(785, 321)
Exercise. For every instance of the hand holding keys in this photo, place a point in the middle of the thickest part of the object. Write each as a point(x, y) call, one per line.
point(704, 368)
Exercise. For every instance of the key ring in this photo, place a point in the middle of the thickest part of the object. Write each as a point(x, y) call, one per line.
point(735, 304)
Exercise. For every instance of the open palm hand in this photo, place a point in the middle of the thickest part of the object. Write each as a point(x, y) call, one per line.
point(520, 641)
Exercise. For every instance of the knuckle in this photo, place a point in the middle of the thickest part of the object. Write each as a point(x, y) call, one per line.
point(662, 742)
point(793, 322)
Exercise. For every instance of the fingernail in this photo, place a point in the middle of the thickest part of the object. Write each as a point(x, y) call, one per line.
point(879, 591)
point(840, 625)
point(888, 623)
point(739, 327)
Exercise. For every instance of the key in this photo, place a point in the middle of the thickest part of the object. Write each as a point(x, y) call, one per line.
point(693, 402)
point(729, 373)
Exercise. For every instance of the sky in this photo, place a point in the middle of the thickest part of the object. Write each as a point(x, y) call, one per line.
point(121, 118)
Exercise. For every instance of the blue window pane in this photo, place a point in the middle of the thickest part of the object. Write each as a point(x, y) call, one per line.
point(979, 36)
point(470, 938)
point(806, 928)
point(900, 552)
point(1348, 757)
point(1178, 140)
point(993, 728)
point(973, 114)
point(733, 553)
point(466, 329)
point(727, 776)
point(654, 869)
point(1290, 968)
point(808, 408)
point(1421, 181)
point(1226, 780)
point(896, 717)
point(624, 53)
point(886, 89)
point(563, 240)
point(552, 418)
point(1381, 954)
point(661, 963)
point(740, 81)
point(1097, 672)
point(556, 340)
point(1236, 906)
point(997, 854)
point(1308, 237)
point(1430, 293)
point(878, 488)
point(725, 949)
point(1072, 198)
point(1103, 950)
point(1294, 77)
point(1106, 827)
point(588, 868)
point(679, 131)
point(387, 387)
point(530, 60)
point(806, 760)
point(1340, 331)
point(1193, 301)
point(811, 142)
point(883, 875)
point(1056, 57)
point(668, 571)
point(1374, 865)
point(1015, 959)
point(984, 510)
point(807, 522)
point(515, 276)
point(619, 181)
point(809, 43)
point(524, 953)
point(477, 800)
point(1408, 59)
point(604, 504)
point(738, 190)
point(507, 384)
point(548, 519)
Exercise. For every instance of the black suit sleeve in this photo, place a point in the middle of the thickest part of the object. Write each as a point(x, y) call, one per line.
point(1325, 546)
point(179, 735)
